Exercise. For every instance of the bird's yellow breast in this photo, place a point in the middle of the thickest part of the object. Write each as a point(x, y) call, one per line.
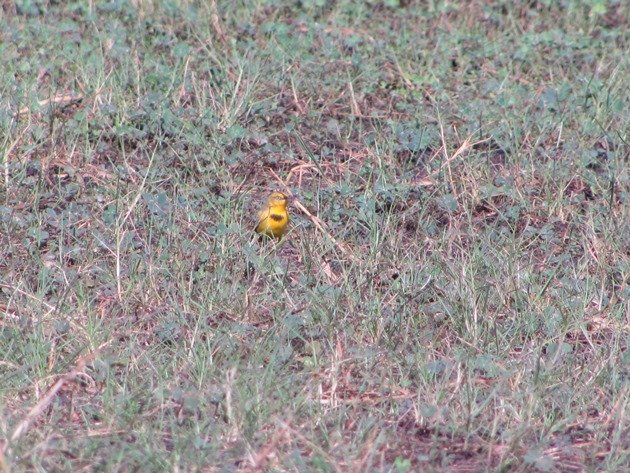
point(273, 221)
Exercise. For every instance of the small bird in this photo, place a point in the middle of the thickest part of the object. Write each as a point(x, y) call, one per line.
point(273, 220)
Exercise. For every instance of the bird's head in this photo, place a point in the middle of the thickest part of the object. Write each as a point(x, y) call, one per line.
point(277, 199)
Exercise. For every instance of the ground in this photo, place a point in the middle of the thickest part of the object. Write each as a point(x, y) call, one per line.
point(452, 294)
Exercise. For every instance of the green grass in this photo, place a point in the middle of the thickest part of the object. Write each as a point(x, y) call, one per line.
point(464, 306)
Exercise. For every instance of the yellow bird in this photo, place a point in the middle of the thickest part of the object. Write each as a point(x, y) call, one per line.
point(273, 219)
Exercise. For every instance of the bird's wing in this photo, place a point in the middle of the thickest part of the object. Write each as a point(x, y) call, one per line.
point(262, 215)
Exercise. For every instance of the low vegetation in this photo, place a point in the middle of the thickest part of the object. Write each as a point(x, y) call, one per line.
point(452, 294)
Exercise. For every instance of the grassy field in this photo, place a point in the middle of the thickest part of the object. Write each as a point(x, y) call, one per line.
point(453, 294)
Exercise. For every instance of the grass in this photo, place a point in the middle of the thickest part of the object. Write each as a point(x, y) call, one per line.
point(453, 294)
